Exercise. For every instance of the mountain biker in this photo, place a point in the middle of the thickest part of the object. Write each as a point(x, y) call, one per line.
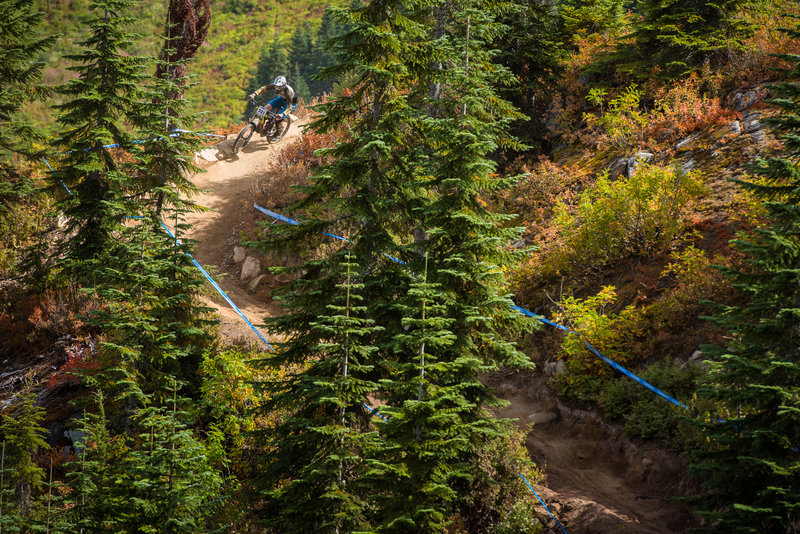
point(286, 95)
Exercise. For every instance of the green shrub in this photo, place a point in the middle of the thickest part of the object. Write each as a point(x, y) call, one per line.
point(622, 124)
point(628, 217)
point(521, 519)
point(647, 415)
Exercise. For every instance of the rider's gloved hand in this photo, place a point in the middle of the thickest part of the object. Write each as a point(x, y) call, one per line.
point(251, 96)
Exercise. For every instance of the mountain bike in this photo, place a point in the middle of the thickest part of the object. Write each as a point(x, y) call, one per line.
point(265, 122)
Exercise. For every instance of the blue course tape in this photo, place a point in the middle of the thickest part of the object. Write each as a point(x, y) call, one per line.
point(295, 222)
point(53, 170)
point(543, 504)
point(540, 318)
point(220, 291)
point(529, 313)
point(633, 376)
point(374, 411)
point(281, 217)
point(606, 359)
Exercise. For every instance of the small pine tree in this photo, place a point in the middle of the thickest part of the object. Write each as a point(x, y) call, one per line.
point(21, 72)
point(426, 437)
point(752, 465)
point(22, 436)
point(106, 99)
point(301, 55)
point(675, 38)
point(321, 448)
point(156, 477)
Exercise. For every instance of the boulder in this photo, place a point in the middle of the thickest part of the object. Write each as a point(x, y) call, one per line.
point(542, 418)
point(209, 154)
point(553, 368)
point(752, 125)
point(239, 254)
point(736, 127)
point(251, 268)
point(634, 162)
point(252, 287)
point(742, 101)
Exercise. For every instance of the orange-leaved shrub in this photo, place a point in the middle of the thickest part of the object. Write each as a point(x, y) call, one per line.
point(80, 361)
point(293, 166)
point(535, 194)
point(682, 109)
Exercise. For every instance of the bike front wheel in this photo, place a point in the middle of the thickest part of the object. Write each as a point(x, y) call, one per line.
point(244, 137)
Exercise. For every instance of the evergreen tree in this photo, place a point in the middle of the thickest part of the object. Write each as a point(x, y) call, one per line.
point(426, 437)
point(585, 17)
point(677, 37)
point(320, 450)
point(324, 54)
point(158, 481)
point(298, 82)
point(533, 51)
point(752, 465)
point(164, 331)
point(106, 99)
point(273, 62)
point(407, 181)
point(465, 243)
point(22, 436)
point(21, 72)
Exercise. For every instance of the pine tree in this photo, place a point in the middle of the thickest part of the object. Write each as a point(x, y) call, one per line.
point(324, 54)
point(533, 51)
point(466, 245)
point(752, 465)
point(301, 59)
point(425, 434)
point(22, 436)
point(106, 99)
point(407, 181)
point(678, 37)
point(155, 327)
point(157, 481)
point(320, 450)
point(167, 474)
point(582, 17)
point(273, 62)
point(21, 72)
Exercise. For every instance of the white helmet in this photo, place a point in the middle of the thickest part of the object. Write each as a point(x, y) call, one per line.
point(280, 81)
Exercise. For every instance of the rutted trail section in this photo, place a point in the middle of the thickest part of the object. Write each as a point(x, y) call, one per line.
point(597, 480)
point(228, 198)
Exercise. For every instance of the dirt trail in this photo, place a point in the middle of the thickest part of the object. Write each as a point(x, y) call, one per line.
point(597, 480)
point(229, 183)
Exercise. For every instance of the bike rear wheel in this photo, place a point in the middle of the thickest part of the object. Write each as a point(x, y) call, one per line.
point(243, 137)
point(280, 129)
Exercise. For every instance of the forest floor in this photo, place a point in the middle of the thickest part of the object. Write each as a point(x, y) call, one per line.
point(597, 480)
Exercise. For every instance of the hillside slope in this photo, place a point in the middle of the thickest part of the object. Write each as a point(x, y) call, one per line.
point(224, 65)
